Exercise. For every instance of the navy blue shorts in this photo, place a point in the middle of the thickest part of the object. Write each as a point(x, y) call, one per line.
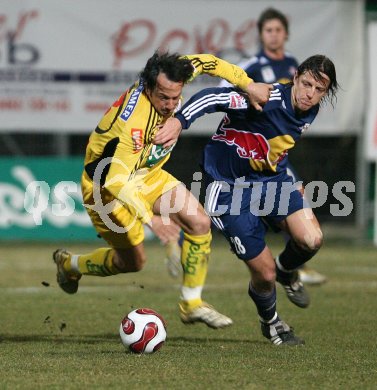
point(241, 211)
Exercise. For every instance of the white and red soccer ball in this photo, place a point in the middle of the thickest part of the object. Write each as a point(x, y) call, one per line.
point(143, 331)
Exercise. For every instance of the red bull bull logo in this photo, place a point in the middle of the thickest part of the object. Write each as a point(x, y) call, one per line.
point(249, 145)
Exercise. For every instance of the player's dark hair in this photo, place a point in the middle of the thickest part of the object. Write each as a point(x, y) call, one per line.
point(318, 65)
point(269, 14)
point(175, 67)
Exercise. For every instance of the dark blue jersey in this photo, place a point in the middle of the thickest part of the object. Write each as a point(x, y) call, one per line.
point(247, 143)
point(264, 69)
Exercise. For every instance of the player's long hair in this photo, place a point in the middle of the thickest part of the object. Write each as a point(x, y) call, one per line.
point(175, 67)
point(318, 65)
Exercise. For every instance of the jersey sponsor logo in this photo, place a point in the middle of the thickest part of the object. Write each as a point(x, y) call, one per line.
point(237, 101)
point(157, 153)
point(137, 140)
point(249, 145)
point(130, 106)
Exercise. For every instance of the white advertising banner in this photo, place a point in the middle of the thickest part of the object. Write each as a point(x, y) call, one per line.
point(62, 63)
point(371, 122)
point(371, 118)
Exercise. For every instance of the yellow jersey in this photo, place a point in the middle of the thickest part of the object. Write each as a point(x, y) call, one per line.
point(121, 145)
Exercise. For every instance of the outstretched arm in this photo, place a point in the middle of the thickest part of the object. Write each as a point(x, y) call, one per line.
point(207, 101)
point(258, 93)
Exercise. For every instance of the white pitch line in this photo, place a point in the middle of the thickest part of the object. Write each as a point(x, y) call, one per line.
point(355, 270)
point(56, 289)
point(360, 285)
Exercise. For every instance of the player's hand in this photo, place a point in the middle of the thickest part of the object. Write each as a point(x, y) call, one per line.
point(164, 232)
point(259, 93)
point(168, 133)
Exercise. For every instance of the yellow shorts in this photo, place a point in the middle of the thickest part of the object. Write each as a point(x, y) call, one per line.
point(119, 227)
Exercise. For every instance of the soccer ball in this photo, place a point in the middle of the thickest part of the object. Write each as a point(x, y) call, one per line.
point(143, 331)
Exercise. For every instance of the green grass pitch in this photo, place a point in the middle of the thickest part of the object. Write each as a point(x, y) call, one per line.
point(49, 340)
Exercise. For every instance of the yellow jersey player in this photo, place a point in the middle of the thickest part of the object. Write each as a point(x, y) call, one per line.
point(124, 185)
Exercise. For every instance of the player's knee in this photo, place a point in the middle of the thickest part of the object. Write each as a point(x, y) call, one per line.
point(269, 276)
point(201, 224)
point(204, 224)
point(264, 283)
point(264, 278)
point(311, 242)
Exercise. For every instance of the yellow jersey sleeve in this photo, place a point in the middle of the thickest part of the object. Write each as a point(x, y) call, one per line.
point(214, 66)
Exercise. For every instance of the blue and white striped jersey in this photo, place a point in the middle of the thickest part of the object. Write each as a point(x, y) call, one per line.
point(247, 143)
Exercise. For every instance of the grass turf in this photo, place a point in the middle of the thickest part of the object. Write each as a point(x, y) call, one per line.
point(49, 340)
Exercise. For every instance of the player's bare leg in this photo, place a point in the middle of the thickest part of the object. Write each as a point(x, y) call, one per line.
point(100, 262)
point(184, 209)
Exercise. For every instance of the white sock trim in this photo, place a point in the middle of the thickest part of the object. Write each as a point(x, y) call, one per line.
point(278, 264)
point(75, 263)
point(189, 293)
point(272, 320)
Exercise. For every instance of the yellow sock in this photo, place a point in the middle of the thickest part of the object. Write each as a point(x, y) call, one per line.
point(194, 259)
point(98, 263)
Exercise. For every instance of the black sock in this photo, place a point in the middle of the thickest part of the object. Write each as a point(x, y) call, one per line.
point(294, 257)
point(265, 303)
